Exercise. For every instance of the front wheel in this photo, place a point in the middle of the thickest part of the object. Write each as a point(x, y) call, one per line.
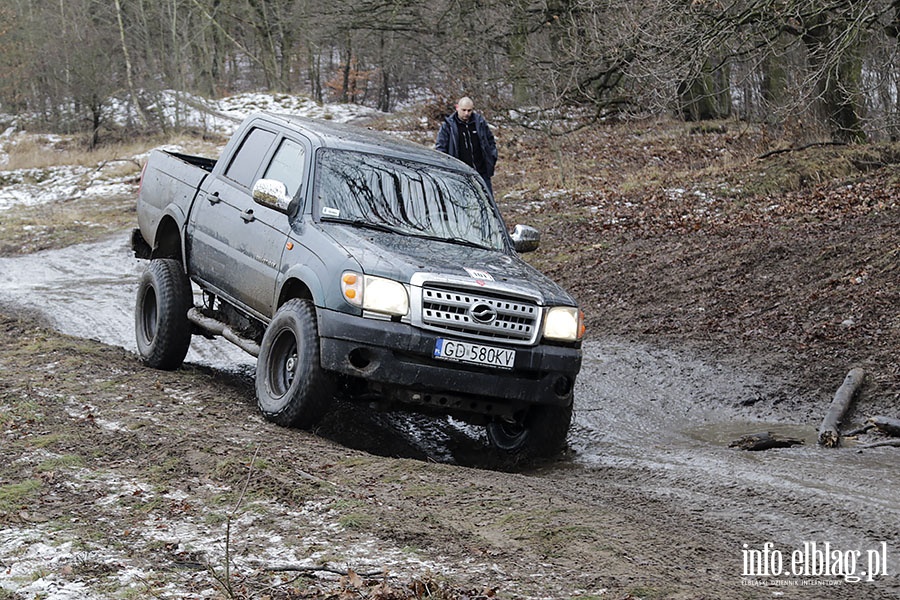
point(540, 433)
point(162, 328)
point(291, 387)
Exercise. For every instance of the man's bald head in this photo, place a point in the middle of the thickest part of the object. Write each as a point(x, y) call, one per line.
point(464, 108)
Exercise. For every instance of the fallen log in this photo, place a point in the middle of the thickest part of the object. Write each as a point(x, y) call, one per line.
point(886, 425)
point(764, 441)
point(829, 430)
point(879, 444)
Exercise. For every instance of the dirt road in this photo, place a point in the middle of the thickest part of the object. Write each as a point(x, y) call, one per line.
point(120, 480)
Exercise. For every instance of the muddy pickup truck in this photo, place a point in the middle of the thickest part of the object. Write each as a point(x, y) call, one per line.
point(356, 266)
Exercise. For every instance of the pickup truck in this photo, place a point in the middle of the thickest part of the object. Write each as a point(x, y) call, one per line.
point(354, 265)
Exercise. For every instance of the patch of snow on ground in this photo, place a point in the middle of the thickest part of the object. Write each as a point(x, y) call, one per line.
point(40, 561)
point(33, 187)
point(32, 566)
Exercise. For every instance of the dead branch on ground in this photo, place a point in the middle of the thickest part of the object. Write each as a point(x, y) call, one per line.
point(313, 569)
point(886, 425)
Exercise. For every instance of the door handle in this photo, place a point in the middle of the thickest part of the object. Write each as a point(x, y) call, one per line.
point(247, 215)
point(213, 198)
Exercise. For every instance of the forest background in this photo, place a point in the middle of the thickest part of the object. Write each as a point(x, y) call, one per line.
point(821, 70)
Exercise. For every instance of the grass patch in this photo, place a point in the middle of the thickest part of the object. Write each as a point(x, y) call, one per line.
point(649, 593)
point(47, 440)
point(425, 490)
point(213, 518)
point(21, 410)
point(355, 520)
point(16, 495)
point(65, 461)
point(40, 151)
point(355, 461)
point(798, 169)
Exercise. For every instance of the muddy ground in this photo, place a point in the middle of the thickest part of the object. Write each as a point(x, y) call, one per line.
point(725, 294)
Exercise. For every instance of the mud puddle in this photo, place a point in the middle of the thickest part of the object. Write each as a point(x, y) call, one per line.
point(88, 291)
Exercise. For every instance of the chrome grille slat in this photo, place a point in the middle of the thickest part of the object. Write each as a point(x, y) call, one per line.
point(448, 310)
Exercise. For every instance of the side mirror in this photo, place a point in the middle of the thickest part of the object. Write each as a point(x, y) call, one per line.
point(525, 238)
point(271, 193)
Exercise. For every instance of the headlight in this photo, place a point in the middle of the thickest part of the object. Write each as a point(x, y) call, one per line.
point(564, 323)
point(375, 293)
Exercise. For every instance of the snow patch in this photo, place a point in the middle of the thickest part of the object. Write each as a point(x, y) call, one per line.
point(35, 187)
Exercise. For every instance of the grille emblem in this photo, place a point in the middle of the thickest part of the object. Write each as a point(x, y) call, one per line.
point(483, 312)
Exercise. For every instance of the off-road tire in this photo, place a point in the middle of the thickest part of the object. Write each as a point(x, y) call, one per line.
point(292, 390)
point(161, 325)
point(541, 433)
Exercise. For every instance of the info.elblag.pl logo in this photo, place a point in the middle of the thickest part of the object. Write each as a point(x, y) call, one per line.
point(813, 563)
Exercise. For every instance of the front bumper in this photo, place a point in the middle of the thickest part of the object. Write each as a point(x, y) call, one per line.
point(397, 359)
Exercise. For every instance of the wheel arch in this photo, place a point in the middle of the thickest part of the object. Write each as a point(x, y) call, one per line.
point(301, 283)
point(168, 242)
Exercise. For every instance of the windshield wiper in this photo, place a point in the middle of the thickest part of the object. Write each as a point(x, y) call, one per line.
point(452, 240)
point(363, 224)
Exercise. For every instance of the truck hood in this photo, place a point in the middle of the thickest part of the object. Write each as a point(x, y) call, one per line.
point(398, 257)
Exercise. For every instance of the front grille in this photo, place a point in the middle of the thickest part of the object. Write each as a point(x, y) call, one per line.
point(513, 320)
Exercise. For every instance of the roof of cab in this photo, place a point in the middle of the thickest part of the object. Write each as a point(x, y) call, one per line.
point(326, 134)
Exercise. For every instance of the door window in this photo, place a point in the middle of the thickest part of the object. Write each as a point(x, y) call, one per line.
point(287, 166)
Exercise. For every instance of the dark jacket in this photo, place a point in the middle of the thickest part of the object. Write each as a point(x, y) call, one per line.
point(448, 141)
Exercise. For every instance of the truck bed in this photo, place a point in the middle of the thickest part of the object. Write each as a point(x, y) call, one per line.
point(170, 183)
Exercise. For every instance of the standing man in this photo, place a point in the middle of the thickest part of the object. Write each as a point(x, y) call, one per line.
point(466, 135)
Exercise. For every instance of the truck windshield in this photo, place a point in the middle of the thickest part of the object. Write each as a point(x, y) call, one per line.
point(408, 197)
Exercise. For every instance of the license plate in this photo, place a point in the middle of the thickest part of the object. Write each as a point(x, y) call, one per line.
point(474, 353)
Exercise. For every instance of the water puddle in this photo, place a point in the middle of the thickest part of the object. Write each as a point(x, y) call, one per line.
point(723, 434)
point(88, 291)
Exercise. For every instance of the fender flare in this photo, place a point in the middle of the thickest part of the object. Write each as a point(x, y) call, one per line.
point(164, 246)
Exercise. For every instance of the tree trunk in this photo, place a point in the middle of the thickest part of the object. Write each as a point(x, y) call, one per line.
point(345, 86)
point(708, 95)
point(314, 71)
point(129, 77)
point(516, 50)
point(775, 80)
point(96, 109)
point(839, 76)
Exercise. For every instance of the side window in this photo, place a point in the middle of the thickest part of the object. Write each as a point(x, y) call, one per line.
point(248, 157)
point(287, 166)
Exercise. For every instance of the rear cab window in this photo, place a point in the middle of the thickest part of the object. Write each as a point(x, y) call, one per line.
point(246, 161)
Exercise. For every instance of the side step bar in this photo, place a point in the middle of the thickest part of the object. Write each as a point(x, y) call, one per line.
point(214, 327)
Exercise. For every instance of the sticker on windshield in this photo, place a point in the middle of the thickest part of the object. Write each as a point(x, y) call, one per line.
point(482, 275)
point(328, 211)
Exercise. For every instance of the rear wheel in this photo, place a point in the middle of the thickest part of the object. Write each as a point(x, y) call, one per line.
point(539, 433)
point(162, 328)
point(291, 387)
